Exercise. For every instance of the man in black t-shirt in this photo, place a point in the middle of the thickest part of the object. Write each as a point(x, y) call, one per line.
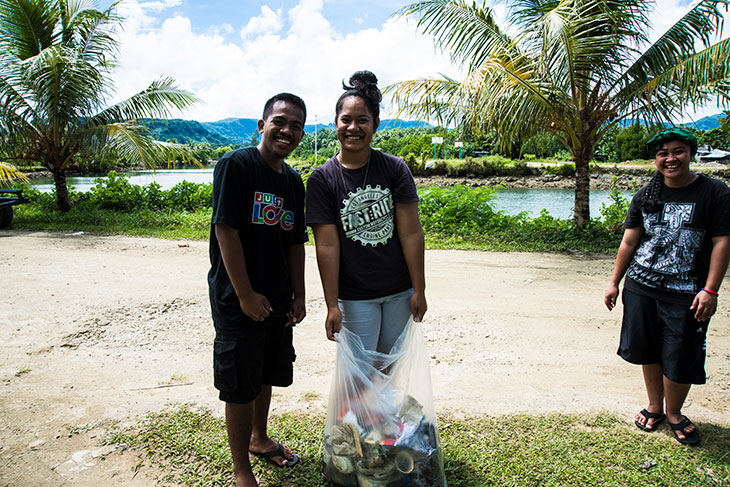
point(256, 280)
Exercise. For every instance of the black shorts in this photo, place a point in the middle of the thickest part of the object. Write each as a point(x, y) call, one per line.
point(256, 353)
point(660, 332)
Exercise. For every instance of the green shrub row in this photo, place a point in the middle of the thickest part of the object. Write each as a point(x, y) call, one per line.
point(470, 167)
point(115, 192)
point(453, 217)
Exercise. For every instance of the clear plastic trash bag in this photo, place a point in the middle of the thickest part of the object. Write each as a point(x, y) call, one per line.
point(381, 426)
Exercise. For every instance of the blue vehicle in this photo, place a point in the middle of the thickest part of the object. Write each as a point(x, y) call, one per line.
point(9, 198)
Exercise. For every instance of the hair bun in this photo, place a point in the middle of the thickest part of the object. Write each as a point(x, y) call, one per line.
point(366, 83)
point(363, 79)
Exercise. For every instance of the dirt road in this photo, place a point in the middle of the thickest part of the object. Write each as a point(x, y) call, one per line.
point(98, 330)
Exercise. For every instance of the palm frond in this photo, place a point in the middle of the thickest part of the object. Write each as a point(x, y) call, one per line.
point(697, 25)
point(63, 84)
point(94, 32)
point(461, 28)
point(157, 101)
point(129, 141)
point(689, 82)
point(428, 99)
point(27, 26)
point(9, 173)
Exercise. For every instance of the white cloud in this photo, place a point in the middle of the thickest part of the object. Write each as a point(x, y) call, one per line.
point(297, 50)
point(268, 22)
point(309, 58)
point(160, 6)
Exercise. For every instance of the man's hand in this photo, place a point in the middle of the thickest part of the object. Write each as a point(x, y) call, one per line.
point(297, 313)
point(332, 322)
point(255, 306)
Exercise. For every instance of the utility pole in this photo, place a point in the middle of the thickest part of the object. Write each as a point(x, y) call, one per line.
point(315, 140)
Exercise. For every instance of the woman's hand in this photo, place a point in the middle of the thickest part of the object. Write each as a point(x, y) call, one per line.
point(610, 298)
point(332, 322)
point(418, 306)
point(705, 305)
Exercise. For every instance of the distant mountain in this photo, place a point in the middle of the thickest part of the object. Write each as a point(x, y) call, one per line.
point(232, 131)
point(704, 123)
point(385, 124)
point(183, 131)
point(237, 130)
point(707, 123)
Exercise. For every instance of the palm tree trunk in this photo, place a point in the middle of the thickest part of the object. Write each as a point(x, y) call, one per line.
point(581, 212)
point(62, 200)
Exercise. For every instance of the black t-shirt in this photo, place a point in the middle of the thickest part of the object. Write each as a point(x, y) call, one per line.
point(267, 209)
point(361, 203)
point(672, 260)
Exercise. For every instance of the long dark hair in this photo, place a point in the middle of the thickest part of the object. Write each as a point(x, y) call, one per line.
point(652, 198)
point(363, 84)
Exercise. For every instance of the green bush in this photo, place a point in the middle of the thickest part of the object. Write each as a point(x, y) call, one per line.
point(566, 170)
point(115, 192)
point(189, 196)
point(417, 167)
point(464, 217)
point(615, 213)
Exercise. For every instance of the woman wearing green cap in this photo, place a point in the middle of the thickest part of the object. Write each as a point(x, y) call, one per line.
point(674, 254)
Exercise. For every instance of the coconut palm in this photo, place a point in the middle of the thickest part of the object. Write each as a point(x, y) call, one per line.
point(573, 68)
point(56, 59)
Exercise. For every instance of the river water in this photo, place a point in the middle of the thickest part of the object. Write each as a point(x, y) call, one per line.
point(559, 202)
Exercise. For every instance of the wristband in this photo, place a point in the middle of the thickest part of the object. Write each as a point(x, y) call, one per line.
point(710, 291)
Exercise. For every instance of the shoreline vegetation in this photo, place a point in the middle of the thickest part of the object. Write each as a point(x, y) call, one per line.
point(456, 206)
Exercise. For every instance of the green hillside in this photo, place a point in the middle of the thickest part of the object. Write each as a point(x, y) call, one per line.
point(184, 131)
point(232, 131)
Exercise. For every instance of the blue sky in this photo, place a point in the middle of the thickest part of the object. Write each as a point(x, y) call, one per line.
point(345, 15)
point(236, 54)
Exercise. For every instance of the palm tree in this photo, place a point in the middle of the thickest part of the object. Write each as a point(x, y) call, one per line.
point(573, 68)
point(56, 58)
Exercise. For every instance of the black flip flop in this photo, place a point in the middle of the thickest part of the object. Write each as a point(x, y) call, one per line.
point(279, 452)
point(657, 417)
point(689, 438)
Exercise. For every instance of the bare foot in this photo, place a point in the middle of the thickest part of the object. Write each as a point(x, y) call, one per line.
point(246, 479)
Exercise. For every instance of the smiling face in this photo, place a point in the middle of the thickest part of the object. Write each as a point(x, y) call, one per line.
point(355, 126)
point(672, 160)
point(281, 132)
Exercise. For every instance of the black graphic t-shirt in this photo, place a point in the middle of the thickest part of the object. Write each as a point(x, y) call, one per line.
point(267, 209)
point(361, 203)
point(673, 258)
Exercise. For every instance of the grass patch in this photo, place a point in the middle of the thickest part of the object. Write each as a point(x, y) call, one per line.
point(21, 371)
point(189, 445)
point(169, 224)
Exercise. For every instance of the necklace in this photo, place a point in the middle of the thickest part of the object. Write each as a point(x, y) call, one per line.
point(364, 180)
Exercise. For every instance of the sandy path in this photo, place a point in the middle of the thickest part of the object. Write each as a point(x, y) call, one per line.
point(92, 326)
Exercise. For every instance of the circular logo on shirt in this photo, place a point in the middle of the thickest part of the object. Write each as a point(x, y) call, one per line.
point(367, 215)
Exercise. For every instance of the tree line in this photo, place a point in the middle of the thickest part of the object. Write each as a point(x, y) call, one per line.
point(618, 144)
